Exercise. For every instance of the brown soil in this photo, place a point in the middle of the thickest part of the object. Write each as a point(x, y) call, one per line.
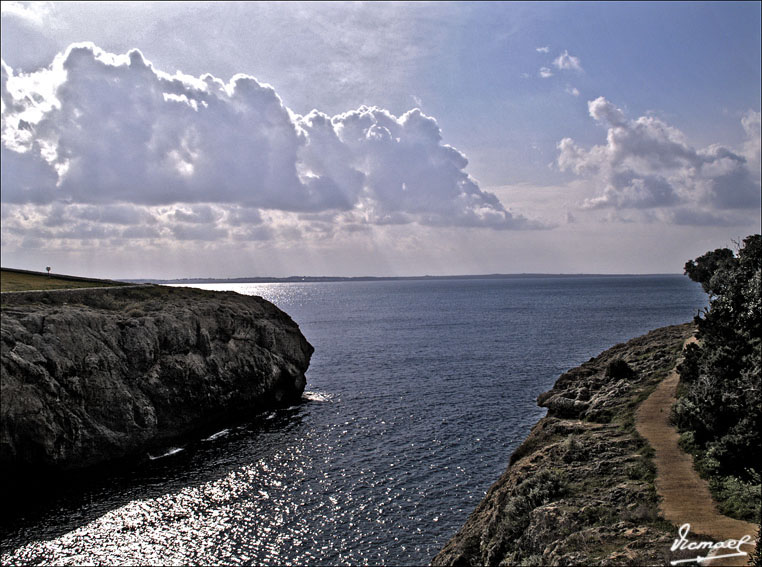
point(685, 497)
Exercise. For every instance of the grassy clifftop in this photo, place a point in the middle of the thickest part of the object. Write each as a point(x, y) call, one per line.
point(23, 280)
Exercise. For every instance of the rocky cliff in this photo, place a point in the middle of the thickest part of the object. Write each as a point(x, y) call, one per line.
point(94, 376)
point(579, 490)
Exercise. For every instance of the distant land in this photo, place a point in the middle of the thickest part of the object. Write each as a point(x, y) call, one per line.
point(12, 279)
point(317, 279)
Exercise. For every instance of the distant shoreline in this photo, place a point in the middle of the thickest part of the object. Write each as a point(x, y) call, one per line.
point(320, 279)
point(317, 279)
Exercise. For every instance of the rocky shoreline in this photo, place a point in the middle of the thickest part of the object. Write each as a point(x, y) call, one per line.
point(91, 377)
point(579, 490)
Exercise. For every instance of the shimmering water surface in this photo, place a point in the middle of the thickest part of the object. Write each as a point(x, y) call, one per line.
point(417, 394)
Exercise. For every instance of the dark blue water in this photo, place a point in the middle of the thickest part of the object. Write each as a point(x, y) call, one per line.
point(417, 394)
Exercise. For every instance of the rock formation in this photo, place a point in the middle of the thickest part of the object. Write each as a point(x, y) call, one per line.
point(579, 490)
point(94, 376)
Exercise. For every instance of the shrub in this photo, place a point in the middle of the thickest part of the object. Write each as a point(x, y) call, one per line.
point(721, 378)
point(573, 450)
point(738, 498)
point(642, 470)
point(719, 411)
point(531, 493)
point(619, 369)
point(598, 515)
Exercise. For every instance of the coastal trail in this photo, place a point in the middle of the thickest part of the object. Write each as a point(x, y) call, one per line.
point(685, 496)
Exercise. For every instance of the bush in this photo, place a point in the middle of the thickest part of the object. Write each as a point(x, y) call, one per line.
point(738, 498)
point(642, 470)
point(721, 378)
point(532, 493)
point(573, 450)
point(619, 369)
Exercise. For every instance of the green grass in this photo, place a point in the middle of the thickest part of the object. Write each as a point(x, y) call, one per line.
point(18, 281)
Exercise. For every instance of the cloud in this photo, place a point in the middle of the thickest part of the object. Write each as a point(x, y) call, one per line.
point(572, 90)
point(566, 62)
point(545, 72)
point(59, 221)
point(648, 164)
point(101, 130)
point(196, 232)
point(751, 149)
point(603, 111)
point(400, 170)
point(694, 217)
point(111, 214)
point(241, 216)
point(32, 12)
point(545, 49)
point(200, 214)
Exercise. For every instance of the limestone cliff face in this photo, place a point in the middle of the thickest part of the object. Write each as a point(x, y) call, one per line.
point(93, 376)
point(579, 490)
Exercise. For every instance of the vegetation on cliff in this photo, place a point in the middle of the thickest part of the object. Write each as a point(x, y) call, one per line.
point(580, 489)
point(720, 408)
point(24, 280)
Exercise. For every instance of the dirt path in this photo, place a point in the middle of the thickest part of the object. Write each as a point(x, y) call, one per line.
point(685, 497)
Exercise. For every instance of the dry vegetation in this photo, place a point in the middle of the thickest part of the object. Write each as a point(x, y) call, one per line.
point(580, 489)
point(21, 281)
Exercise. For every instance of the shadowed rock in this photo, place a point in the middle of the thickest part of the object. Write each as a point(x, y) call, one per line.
point(96, 376)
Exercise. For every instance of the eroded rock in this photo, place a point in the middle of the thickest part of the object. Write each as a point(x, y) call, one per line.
point(89, 378)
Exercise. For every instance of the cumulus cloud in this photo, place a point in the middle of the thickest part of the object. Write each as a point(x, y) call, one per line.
point(545, 49)
point(566, 62)
point(572, 90)
point(205, 158)
point(32, 12)
point(648, 164)
point(545, 72)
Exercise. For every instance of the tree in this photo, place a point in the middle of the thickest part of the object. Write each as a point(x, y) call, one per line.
point(703, 268)
point(722, 403)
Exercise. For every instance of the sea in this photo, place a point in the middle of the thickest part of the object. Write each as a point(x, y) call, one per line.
point(417, 394)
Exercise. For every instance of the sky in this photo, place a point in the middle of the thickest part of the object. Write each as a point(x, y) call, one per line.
point(193, 139)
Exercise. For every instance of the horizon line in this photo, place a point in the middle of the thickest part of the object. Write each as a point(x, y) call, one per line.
point(305, 278)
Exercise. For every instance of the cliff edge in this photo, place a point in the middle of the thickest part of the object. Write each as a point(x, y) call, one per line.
point(93, 376)
point(580, 489)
